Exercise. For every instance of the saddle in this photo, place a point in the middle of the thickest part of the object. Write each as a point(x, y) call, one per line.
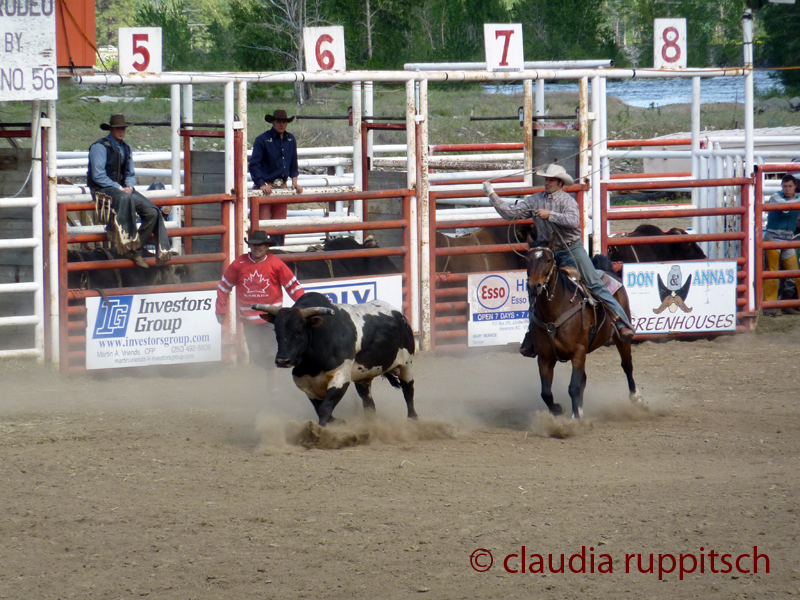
point(612, 284)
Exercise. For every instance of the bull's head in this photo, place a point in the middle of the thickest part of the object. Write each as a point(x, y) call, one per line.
point(686, 250)
point(541, 266)
point(293, 330)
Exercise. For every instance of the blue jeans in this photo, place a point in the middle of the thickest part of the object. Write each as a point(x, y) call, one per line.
point(576, 256)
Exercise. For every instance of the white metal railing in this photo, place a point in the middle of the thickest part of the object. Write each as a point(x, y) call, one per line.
point(35, 244)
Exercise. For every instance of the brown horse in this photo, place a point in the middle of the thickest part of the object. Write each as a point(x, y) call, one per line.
point(479, 263)
point(568, 327)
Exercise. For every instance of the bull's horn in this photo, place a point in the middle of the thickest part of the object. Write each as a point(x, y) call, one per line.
point(267, 308)
point(315, 310)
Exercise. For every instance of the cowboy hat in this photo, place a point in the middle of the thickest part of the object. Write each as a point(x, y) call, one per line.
point(260, 237)
point(278, 114)
point(115, 121)
point(556, 171)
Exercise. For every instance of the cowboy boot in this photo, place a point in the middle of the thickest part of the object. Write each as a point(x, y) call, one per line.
point(137, 259)
point(528, 349)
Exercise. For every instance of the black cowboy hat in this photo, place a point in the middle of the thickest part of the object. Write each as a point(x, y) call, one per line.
point(115, 121)
point(278, 114)
point(260, 237)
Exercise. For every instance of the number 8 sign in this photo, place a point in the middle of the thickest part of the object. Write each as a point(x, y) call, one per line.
point(324, 48)
point(139, 50)
point(669, 39)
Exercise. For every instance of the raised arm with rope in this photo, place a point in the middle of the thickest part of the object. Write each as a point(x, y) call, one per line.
point(556, 215)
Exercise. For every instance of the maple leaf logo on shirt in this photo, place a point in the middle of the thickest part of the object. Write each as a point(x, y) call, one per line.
point(256, 284)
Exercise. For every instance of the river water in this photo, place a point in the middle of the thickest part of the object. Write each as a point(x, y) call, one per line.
point(644, 93)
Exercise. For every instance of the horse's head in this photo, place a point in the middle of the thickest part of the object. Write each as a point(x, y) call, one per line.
point(541, 264)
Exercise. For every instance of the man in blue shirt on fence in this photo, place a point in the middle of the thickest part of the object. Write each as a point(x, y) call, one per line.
point(274, 162)
point(111, 180)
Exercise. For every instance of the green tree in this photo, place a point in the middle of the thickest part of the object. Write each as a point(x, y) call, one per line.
point(564, 30)
point(713, 29)
point(176, 36)
point(782, 48)
point(110, 15)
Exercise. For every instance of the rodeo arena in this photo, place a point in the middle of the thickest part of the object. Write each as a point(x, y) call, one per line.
point(147, 453)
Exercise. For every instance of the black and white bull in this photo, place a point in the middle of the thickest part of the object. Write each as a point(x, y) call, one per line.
point(330, 345)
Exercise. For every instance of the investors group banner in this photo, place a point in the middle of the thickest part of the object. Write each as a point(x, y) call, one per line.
point(498, 308)
point(152, 329)
point(682, 297)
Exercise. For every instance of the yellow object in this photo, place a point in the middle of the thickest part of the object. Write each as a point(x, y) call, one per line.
point(773, 262)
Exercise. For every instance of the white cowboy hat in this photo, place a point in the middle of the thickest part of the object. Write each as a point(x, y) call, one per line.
point(556, 171)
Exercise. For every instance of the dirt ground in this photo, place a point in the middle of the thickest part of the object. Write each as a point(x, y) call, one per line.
point(193, 485)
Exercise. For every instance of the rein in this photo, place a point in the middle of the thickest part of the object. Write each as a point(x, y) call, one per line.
point(552, 327)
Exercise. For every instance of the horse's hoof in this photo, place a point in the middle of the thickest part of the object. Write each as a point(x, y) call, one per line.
point(556, 410)
point(578, 415)
point(636, 398)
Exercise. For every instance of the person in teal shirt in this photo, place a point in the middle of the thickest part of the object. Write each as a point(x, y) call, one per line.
point(781, 226)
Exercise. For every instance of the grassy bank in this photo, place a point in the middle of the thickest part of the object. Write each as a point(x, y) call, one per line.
point(449, 107)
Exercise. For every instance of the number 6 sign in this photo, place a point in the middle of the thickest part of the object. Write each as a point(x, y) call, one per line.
point(139, 50)
point(669, 39)
point(324, 47)
point(503, 43)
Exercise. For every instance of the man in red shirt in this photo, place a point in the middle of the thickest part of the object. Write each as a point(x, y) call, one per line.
point(258, 278)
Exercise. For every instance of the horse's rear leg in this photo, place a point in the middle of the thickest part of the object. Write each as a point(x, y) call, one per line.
point(624, 349)
point(546, 367)
point(577, 384)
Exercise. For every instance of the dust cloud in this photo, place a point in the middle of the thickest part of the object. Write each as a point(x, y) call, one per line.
point(265, 411)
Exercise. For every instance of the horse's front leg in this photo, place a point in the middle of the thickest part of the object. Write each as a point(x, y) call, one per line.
point(546, 367)
point(624, 349)
point(577, 383)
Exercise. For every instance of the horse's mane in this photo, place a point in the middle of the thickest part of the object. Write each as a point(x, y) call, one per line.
point(566, 281)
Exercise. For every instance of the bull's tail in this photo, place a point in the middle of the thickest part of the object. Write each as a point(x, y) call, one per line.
point(393, 379)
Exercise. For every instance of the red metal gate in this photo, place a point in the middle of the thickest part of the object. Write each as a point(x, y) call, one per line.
point(449, 330)
point(761, 245)
point(742, 288)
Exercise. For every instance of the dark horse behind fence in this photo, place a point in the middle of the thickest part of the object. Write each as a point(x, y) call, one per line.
point(569, 326)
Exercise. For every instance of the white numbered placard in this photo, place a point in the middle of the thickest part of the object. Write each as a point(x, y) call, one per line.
point(324, 48)
point(139, 50)
point(669, 43)
point(503, 43)
point(28, 51)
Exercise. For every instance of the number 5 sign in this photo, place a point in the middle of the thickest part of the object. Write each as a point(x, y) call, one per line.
point(139, 50)
point(503, 43)
point(669, 38)
point(324, 47)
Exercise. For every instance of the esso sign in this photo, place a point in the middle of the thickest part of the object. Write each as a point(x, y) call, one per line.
point(324, 47)
point(503, 43)
point(139, 50)
point(669, 43)
point(492, 292)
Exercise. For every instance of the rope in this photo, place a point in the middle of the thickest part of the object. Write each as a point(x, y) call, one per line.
point(65, 8)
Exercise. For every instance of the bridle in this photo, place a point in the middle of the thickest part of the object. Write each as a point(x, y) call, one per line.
point(549, 274)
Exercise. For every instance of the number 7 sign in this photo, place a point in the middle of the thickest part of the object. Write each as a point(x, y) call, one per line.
point(503, 43)
point(139, 50)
